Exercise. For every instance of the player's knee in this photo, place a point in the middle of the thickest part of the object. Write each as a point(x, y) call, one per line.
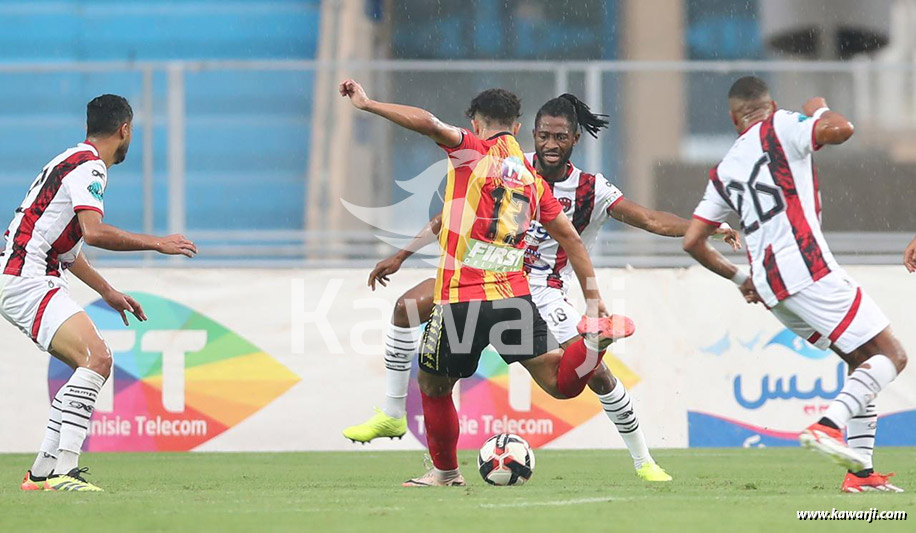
point(401, 317)
point(100, 359)
point(434, 386)
point(411, 310)
point(602, 382)
point(890, 346)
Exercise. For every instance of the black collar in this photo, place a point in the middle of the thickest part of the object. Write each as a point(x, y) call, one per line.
point(499, 135)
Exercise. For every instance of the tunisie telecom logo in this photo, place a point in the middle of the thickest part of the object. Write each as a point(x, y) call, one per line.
point(492, 401)
point(179, 379)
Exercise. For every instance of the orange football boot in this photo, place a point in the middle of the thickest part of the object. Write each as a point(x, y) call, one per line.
point(873, 482)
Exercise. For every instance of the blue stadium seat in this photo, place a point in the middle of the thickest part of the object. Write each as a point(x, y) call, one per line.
point(247, 133)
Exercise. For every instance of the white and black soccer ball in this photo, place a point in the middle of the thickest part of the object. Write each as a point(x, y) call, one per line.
point(505, 459)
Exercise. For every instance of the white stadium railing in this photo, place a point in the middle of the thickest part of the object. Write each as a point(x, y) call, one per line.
point(886, 91)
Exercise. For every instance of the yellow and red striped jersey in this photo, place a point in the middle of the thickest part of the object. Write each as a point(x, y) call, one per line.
point(491, 196)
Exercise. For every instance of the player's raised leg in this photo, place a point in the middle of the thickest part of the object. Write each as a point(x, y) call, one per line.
point(402, 340)
point(78, 344)
point(582, 357)
point(564, 372)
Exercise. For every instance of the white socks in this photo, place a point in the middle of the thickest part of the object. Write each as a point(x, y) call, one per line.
point(860, 389)
point(860, 433)
point(47, 454)
point(78, 397)
point(401, 345)
point(444, 476)
point(619, 409)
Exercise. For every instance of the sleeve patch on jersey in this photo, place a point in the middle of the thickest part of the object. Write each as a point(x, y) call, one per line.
point(802, 118)
point(96, 190)
point(614, 203)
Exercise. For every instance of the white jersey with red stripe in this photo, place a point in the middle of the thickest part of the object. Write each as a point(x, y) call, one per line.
point(768, 178)
point(587, 200)
point(45, 235)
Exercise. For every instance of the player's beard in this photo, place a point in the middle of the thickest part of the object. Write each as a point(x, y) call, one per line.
point(557, 167)
point(121, 152)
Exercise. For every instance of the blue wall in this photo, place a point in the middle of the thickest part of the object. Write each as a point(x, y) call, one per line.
point(247, 132)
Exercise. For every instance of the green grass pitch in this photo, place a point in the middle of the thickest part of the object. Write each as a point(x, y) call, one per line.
point(714, 490)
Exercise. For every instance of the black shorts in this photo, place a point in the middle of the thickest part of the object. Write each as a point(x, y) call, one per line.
point(457, 333)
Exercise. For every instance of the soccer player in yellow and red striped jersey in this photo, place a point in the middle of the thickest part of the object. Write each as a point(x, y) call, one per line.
point(482, 294)
point(483, 241)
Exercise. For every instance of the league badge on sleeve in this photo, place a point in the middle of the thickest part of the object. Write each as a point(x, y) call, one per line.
point(96, 190)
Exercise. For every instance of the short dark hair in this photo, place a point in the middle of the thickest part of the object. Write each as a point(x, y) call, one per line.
point(748, 88)
point(106, 113)
point(497, 105)
point(575, 111)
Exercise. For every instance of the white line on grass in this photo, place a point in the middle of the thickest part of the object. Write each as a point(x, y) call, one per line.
point(577, 501)
point(295, 510)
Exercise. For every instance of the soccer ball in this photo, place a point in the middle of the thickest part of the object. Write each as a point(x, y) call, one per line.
point(505, 459)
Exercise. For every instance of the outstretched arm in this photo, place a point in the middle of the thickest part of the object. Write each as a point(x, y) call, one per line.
point(562, 230)
point(664, 223)
point(696, 244)
point(97, 233)
point(412, 118)
point(386, 267)
point(831, 127)
point(118, 301)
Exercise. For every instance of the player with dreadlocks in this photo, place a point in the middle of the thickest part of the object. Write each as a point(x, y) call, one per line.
point(589, 200)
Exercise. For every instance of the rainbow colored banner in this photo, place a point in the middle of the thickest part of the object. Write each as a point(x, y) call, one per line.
point(157, 407)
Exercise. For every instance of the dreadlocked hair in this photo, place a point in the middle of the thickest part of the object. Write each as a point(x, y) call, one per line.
point(576, 111)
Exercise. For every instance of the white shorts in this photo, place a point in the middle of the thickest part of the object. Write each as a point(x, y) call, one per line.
point(833, 310)
point(561, 316)
point(37, 306)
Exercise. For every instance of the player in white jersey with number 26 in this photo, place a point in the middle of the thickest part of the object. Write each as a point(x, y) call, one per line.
point(64, 208)
point(589, 200)
point(769, 180)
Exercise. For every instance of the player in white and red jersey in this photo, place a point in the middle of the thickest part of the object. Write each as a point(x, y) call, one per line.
point(64, 208)
point(589, 200)
point(769, 180)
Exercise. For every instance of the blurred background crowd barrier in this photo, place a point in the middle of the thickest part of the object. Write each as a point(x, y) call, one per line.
point(241, 142)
